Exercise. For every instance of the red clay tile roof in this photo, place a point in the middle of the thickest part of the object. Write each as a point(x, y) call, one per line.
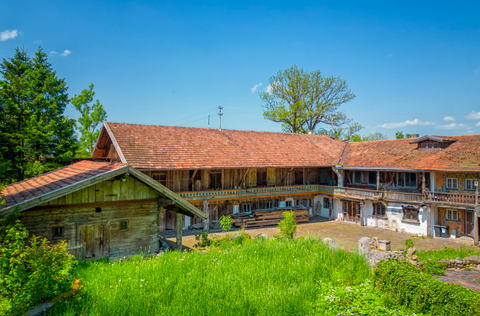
point(170, 147)
point(28, 189)
point(461, 156)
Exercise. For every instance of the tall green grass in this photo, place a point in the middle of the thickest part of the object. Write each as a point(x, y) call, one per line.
point(260, 278)
point(447, 253)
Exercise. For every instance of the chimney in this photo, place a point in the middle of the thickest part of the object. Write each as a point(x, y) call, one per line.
point(415, 135)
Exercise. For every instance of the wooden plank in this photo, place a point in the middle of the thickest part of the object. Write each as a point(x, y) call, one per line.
point(91, 194)
point(99, 192)
point(68, 198)
point(130, 183)
point(62, 200)
point(107, 190)
point(77, 197)
point(85, 195)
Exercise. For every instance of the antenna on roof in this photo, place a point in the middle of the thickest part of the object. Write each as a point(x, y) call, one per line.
point(209, 121)
point(220, 115)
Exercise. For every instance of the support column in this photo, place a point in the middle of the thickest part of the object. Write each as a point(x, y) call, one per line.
point(362, 222)
point(179, 231)
point(476, 214)
point(423, 182)
point(429, 221)
point(330, 209)
point(378, 180)
point(432, 181)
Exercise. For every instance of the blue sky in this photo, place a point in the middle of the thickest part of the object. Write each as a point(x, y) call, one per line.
point(414, 65)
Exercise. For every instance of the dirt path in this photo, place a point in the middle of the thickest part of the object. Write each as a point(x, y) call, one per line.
point(345, 234)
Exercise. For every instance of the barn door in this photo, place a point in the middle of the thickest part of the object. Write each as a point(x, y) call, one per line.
point(97, 241)
point(469, 223)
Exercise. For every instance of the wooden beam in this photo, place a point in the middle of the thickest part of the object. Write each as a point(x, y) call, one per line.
point(179, 232)
point(164, 202)
point(423, 182)
point(191, 179)
point(242, 179)
point(115, 143)
point(378, 180)
point(283, 179)
point(429, 218)
point(476, 214)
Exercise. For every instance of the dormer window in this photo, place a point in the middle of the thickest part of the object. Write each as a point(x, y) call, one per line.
point(432, 142)
point(430, 145)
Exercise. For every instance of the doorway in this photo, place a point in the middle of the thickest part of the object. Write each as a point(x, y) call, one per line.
point(97, 241)
point(469, 216)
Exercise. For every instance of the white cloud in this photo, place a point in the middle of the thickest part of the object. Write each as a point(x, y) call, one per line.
point(66, 53)
point(37, 41)
point(53, 52)
point(449, 119)
point(478, 124)
point(406, 123)
point(473, 115)
point(453, 126)
point(6, 35)
point(255, 87)
point(269, 89)
point(389, 55)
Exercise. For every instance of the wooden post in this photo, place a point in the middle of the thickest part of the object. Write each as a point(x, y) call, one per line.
point(476, 214)
point(361, 214)
point(429, 219)
point(179, 231)
point(330, 209)
point(476, 192)
point(423, 182)
point(378, 180)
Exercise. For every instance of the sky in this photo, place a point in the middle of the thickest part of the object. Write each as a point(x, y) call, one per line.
point(413, 65)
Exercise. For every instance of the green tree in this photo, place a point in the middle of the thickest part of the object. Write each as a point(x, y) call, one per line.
point(35, 134)
point(92, 114)
point(400, 135)
point(304, 101)
point(288, 225)
point(369, 137)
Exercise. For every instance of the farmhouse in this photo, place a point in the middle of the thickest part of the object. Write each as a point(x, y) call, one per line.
point(108, 208)
point(424, 185)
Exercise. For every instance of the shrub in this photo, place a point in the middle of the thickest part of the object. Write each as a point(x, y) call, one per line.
point(447, 253)
point(288, 226)
point(360, 300)
point(406, 286)
point(434, 267)
point(31, 271)
point(408, 244)
point(226, 222)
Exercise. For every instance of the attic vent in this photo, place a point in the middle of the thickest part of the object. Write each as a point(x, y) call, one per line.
point(250, 139)
point(282, 140)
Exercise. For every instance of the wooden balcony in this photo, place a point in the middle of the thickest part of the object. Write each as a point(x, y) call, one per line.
point(450, 199)
point(256, 192)
point(374, 195)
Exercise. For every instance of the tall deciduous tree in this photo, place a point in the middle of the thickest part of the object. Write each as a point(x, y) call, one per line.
point(35, 134)
point(308, 102)
point(91, 116)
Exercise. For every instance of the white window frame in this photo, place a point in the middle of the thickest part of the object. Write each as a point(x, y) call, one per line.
point(247, 208)
point(288, 204)
point(472, 184)
point(326, 203)
point(451, 215)
point(269, 204)
point(451, 183)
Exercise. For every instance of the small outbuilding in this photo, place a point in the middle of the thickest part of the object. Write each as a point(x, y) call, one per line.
point(111, 209)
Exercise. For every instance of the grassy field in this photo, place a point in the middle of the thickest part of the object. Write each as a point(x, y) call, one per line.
point(259, 278)
point(448, 253)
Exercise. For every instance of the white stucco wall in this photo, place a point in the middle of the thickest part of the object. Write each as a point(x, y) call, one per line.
point(394, 214)
point(324, 212)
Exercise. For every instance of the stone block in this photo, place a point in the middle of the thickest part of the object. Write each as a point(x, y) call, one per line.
point(365, 244)
point(331, 243)
point(385, 245)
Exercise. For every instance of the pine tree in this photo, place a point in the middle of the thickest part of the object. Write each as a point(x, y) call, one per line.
point(36, 136)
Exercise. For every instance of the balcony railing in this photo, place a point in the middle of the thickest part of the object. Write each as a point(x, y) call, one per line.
point(460, 199)
point(256, 192)
point(434, 198)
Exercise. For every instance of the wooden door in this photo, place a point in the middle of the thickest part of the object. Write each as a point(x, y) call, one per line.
point(97, 241)
point(469, 223)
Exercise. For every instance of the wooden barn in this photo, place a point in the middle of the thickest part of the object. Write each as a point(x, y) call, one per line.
point(110, 209)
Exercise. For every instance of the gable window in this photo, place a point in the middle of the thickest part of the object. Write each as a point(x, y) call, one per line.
point(380, 208)
point(261, 177)
point(452, 215)
point(288, 203)
point(216, 179)
point(123, 225)
point(326, 203)
point(451, 183)
point(410, 213)
point(407, 179)
point(160, 177)
point(58, 232)
point(247, 208)
point(469, 184)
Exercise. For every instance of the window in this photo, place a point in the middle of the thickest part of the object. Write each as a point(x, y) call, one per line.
point(407, 179)
point(216, 179)
point(288, 203)
point(372, 177)
point(469, 184)
point(305, 203)
point(160, 177)
point(58, 232)
point(452, 215)
point(326, 203)
point(410, 214)
point(357, 207)
point(322, 177)
point(357, 177)
point(451, 183)
point(299, 176)
point(124, 225)
point(261, 178)
point(380, 209)
point(313, 179)
point(247, 208)
point(269, 205)
point(430, 145)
